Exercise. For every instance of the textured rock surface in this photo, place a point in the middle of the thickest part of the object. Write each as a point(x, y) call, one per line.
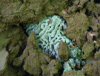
point(72, 73)
point(94, 69)
point(88, 51)
point(32, 57)
point(29, 11)
point(97, 55)
point(77, 24)
point(52, 68)
point(63, 51)
point(3, 60)
point(12, 38)
point(11, 71)
point(78, 14)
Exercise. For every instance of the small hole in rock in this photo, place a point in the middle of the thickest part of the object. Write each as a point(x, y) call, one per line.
point(89, 29)
point(94, 38)
point(94, 51)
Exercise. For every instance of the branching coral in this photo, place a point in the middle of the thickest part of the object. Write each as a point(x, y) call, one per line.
point(74, 60)
point(49, 33)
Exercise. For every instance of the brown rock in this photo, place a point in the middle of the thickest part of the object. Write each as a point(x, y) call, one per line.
point(63, 51)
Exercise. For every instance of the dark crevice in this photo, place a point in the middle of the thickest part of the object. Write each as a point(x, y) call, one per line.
point(23, 27)
point(62, 29)
point(96, 1)
point(83, 52)
point(98, 48)
point(94, 38)
point(14, 26)
point(88, 13)
point(98, 14)
point(94, 51)
point(62, 69)
point(89, 29)
point(84, 7)
point(7, 47)
point(20, 52)
point(68, 3)
point(78, 67)
point(78, 10)
point(86, 39)
point(95, 15)
point(22, 1)
point(27, 74)
point(85, 75)
point(40, 46)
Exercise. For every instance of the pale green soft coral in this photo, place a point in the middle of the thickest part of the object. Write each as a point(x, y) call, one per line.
point(75, 52)
point(71, 62)
point(34, 28)
point(67, 67)
point(49, 32)
point(74, 60)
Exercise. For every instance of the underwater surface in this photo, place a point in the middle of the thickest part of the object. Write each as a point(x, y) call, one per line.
point(50, 38)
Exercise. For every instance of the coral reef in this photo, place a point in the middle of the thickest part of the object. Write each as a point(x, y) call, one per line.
point(74, 61)
point(20, 55)
point(67, 67)
point(49, 35)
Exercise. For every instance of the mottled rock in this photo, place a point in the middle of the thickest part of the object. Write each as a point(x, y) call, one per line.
point(25, 11)
point(72, 73)
point(9, 71)
point(77, 5)
point(97, 55)
point(52, 68)
point(34, 61)
point(63, 51)
point(87, 48)
point(16, 40)
point(77, 27)
point(33, 58)
point(94, 69)
point(3, 60)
